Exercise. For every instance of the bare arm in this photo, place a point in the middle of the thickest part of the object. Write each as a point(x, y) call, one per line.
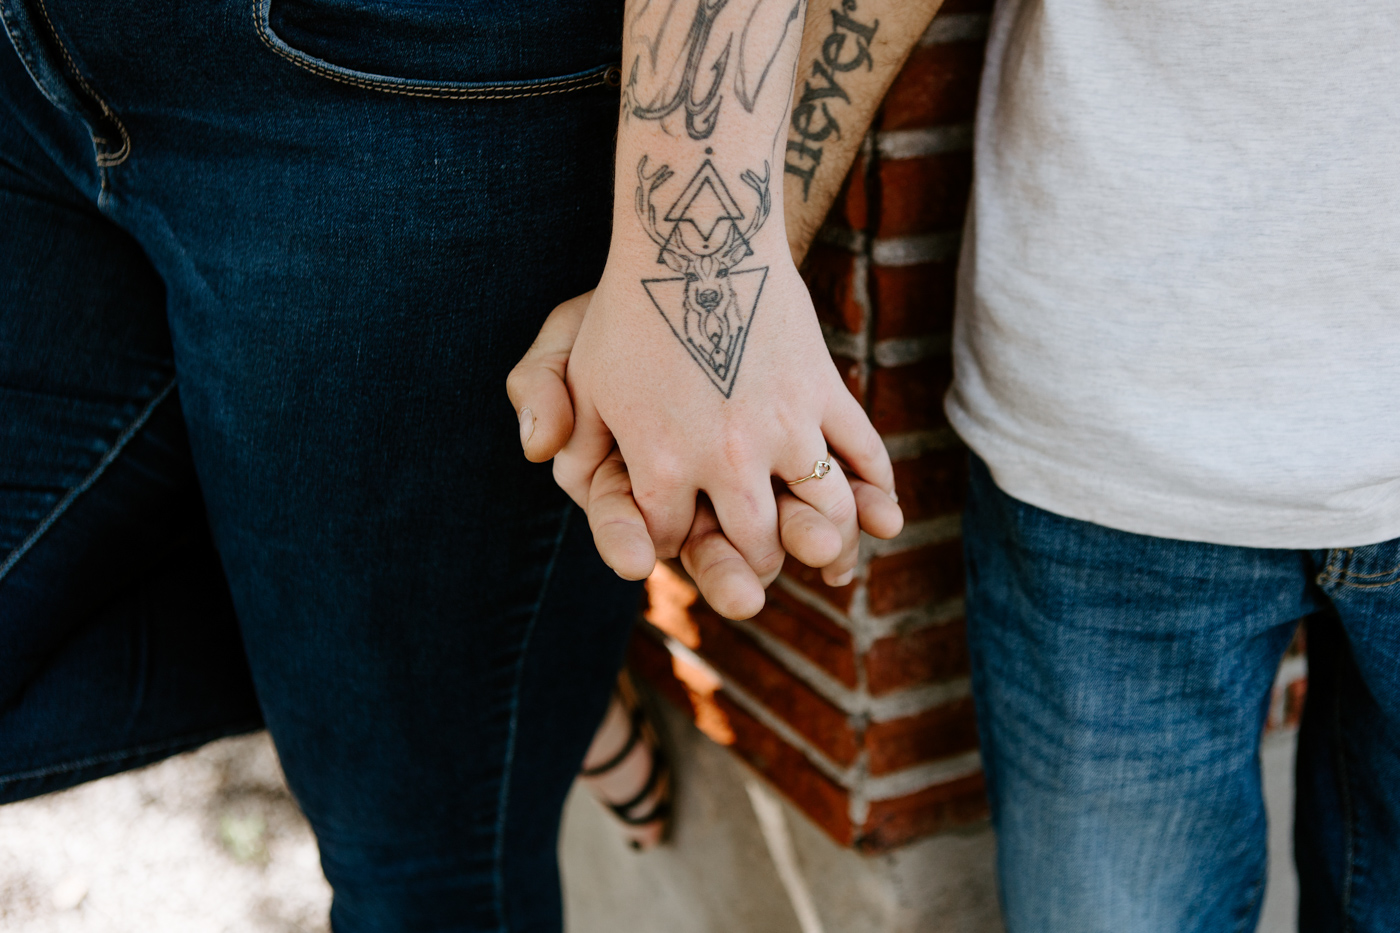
point(851, 53)
point(849, 56)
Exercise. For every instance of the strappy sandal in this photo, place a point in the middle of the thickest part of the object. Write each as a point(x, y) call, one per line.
point(645, 817)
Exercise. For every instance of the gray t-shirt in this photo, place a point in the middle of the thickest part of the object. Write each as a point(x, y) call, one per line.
point(1179, 300)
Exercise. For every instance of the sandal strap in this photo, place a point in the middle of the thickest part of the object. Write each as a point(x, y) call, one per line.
point(623, 810)
point(632, 738)
point(662, 811)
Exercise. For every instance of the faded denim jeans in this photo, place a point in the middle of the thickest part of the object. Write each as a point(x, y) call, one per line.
point(1122, 684)
point(266, 264)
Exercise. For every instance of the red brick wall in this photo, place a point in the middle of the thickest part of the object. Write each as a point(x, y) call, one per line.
point(855, 702)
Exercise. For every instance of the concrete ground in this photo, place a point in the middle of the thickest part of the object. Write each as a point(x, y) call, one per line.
point(208, 842)
point(211, 842)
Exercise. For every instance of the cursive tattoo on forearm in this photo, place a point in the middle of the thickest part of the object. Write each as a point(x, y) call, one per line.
point(710, 304)
point(668, 70)
point(846, 48)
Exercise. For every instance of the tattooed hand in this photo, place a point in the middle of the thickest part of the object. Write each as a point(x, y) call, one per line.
point(537, 389)
point(707, 366)
point(845, 67)
point(701, 355)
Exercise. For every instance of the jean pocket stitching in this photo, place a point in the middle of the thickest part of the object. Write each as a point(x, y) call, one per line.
point(1343, 581)
point(104, 159)
point(601, 76)
point(1347, 574)
point(1346, 578)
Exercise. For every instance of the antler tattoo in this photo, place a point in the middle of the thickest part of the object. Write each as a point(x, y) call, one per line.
point(711, 306)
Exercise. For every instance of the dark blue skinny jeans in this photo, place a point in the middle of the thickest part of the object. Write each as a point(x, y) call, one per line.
point(265, 266)
point(1122, 684)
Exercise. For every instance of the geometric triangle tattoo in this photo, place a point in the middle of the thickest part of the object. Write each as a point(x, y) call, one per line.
point(718, 349)
point(705, 202)
point(709, 305)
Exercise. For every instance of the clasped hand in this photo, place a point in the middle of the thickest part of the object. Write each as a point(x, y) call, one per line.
point(667, 466)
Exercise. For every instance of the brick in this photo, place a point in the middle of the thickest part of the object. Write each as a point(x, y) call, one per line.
point(931, 485)
point(830, 275)
point(931, 654)
point(649, 659)
point(811, 791)
point(910, 398)
point(935, 733)
point(938, 85)
point(930, 194)
point(892, 823)
point(850, 372)
point(745, 664)
point(912, 578)
point(816, 795)
point(913, 301)
point(669, 599)
point(851, 209)
point(1294, 696)
point(1299, 645)
point(838, 597)
point(689, 687)
point(809, 633)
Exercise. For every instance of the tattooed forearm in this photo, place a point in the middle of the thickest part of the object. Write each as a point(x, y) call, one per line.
point(668, 78)
point(710, 303)
point(845, 49)
point(759, 45)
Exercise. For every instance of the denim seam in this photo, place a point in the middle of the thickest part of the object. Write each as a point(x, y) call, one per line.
point(1343, 574)
point(498, 856)
point(104, 160)
point(1371, 576)
point(72, 495)
point(440, 91)
point(192, 738)
point(1256, 894)
point(1333, 574)
point(1368, 586)
point(1348, 808)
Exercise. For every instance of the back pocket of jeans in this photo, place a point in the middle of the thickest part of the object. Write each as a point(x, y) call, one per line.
point(455, 49)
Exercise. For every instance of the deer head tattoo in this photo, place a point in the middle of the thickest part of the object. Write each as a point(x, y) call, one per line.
point(703, 244)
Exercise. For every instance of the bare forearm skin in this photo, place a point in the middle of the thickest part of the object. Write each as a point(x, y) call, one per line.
point(851, 52)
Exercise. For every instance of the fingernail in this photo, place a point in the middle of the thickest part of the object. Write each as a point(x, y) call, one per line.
point(527, 426)
point(895, 496)
point(845, 578)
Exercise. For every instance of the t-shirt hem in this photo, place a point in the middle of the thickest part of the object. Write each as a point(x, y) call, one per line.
point(1077, 493)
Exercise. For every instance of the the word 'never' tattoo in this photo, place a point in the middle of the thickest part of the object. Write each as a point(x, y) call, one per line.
point(710, 305)
point(676, 72)
point(845, 49)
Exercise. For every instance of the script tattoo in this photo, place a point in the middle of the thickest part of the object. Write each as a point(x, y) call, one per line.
point(710, 304)
point(671, 78)
point(845, 49)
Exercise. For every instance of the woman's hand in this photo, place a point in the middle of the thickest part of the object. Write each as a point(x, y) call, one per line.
point(723, 573)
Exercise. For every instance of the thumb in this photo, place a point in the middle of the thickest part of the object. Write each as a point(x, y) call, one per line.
point(536, 385)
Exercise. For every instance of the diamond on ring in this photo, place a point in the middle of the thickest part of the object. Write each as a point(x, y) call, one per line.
point(822, 468)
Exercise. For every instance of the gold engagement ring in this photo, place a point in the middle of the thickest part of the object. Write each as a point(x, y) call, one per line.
point(822, 468)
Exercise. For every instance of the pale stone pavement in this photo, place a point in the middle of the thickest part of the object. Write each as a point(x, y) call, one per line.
point(211, 842)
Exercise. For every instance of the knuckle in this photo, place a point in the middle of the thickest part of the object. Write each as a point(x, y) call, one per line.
point(665, 472)
point(515, 388)
point(842, 512)
point(873, 446)
point(707, 551)
point(566, 474)
point(770, 561)
point(736, 452)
